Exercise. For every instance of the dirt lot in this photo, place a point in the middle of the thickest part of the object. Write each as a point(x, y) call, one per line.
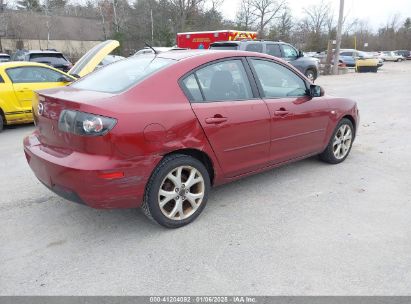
point(305, 228)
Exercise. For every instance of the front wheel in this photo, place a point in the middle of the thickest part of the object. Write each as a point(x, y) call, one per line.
point(340, 143)
point(177, 191)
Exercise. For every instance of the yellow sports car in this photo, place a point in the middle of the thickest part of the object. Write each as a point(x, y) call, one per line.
point(19, 80)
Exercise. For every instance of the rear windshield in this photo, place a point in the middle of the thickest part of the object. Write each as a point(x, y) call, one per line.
point(54, 59)
point(224, 47)
point(123, 74)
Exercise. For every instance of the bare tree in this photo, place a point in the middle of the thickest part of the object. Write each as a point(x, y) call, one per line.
point(265, 11)
point(318, 19)
point(245, 17)
point(183, 9)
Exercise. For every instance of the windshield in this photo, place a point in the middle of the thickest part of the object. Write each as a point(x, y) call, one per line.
point(224, 47)
point(123, 74)
point(54, 59)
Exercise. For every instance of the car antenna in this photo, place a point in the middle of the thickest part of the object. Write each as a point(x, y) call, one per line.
point(155, 52)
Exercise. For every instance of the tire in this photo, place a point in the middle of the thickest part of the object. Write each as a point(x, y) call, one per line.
point(310, 74)
point(399, 60)
point(335, 156)
point(1, 122)
point(165, 178)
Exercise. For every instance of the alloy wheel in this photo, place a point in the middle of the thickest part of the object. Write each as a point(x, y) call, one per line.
point(181, 192)
point(342, 141)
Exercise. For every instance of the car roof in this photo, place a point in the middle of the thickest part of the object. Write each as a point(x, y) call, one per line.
point(40, 52)
point(212, 54)
point(248, 41)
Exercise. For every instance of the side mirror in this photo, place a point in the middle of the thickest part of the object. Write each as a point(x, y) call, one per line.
point(316, 91)
point(300, 54)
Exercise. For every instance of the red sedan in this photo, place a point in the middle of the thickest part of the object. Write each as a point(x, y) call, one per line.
point(158, 131)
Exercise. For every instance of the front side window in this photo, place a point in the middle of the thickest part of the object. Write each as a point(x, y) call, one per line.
point(225, 80)
point(277, 81)
point(346, 54)
point(289, 52)
point(123, 74)
point(33, 74)
point(254, 47)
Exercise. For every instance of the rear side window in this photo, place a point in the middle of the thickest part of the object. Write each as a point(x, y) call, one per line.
point(254, 47)
point(1, 79)
point(225, 80)
point(346, 54)
point(192, 88)
point(123, 74)
point(273, 50)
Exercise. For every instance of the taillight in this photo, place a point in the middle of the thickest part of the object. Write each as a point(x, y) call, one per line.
point(81, 123)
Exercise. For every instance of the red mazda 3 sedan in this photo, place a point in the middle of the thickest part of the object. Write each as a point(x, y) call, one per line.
point(157, 131)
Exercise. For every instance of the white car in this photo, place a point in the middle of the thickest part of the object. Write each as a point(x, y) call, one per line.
point(391, 56)
point(4, 57)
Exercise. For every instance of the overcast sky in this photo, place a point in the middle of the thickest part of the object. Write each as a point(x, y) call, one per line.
point(375, 12)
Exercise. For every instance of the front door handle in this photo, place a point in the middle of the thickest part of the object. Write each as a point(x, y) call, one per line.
point(216, 119)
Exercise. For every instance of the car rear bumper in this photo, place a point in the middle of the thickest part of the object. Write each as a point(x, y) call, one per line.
point(83, 178)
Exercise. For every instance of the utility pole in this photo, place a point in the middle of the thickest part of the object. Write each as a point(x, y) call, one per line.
point(152, 27)
point(339, 30)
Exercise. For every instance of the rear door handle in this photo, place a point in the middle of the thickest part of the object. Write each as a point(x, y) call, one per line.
point(215, 120)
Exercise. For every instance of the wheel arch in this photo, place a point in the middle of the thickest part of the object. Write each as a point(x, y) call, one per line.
point(351, 118)
point(3, 116)
point(200, 156)
point(312, 68)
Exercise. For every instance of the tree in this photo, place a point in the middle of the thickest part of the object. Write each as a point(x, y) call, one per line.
point(28, 5)
point(265, 11)
point(183, 9)
point(315, 22)
point(245, 18)
point(282, 30)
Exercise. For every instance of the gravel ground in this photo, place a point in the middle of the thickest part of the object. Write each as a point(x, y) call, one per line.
point(307, 228)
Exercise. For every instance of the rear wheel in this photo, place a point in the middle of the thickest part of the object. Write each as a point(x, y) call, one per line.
point(399, 60)
point(340, 143)
point(177, 191)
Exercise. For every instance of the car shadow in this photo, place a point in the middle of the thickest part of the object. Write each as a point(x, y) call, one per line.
point(126, 221)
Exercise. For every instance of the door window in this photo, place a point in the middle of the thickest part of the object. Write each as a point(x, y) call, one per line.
point(225, 80)
point(192, 88)
point(289, 52)
point(277, 81)
point(346, 54)
point(33, 74)
point(273, 50)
